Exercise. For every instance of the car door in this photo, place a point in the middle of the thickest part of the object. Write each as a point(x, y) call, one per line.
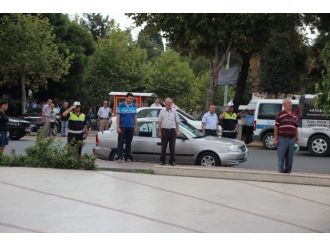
point(184, 150)
point(143, 142)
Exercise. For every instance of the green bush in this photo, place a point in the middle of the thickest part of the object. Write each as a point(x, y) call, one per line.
point(50, 154)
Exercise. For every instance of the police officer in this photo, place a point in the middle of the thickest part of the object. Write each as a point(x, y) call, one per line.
point(229, 122)
point(77, 126)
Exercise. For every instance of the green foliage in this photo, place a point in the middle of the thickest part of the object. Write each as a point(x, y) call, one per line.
point(152, 42)
point(117, 65)
point(97, 24)
point(28, 53)
point(171, 76)
point(49, 154)
point(323, 86)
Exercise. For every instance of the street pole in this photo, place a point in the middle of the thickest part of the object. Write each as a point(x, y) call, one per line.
point(226, 86)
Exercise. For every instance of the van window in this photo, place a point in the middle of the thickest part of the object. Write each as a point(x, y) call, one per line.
point(269, 110)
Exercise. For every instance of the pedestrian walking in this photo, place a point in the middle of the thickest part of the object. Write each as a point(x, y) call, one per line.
point(104, 115)
point(197, 114)
point(285, 136)
point(229, 122)
point(77, 126)
point(210, 122)
point(126, 120)
point(4, 129)
point(168, 126)
point(64, 120)
point(157, 103)
point(45, 116)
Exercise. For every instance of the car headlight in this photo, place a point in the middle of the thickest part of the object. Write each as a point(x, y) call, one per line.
point(233, 148)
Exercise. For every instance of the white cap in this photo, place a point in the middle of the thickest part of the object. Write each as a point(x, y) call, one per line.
point(230, 104)
point(76, 103)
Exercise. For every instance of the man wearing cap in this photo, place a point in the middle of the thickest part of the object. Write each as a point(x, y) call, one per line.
point(229, 122)
point(126, 120)
point(210, 122)
point(104, 115)
point(45, 116)
point(77, 126)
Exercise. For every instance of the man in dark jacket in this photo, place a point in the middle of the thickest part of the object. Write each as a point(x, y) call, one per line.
point(3, 126)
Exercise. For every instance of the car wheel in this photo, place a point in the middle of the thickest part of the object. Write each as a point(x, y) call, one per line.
point(319, 145)
point(113, 155)
point(268, 141)
point(208, 159)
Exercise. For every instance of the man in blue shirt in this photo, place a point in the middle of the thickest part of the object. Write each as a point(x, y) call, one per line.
point(210, 122)
point(126, 125)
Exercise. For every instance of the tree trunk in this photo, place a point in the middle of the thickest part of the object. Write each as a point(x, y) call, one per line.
point(23, 90)
point(242, 80)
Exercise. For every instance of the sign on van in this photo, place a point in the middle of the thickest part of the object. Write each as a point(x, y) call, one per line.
point(311, 123)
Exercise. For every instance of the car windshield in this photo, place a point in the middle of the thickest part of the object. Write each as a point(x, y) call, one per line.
point(190, 130)
point(186, 115)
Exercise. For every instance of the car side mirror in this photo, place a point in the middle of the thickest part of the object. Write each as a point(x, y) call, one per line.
point(181, 136)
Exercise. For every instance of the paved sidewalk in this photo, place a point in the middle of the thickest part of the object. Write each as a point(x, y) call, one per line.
point(64, 201)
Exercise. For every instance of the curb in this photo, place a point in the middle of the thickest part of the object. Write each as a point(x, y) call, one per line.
point(244, 174)
point(129, 170)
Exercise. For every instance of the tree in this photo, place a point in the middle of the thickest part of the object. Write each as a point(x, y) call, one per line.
point(214, 35)
point(97, 24)
point(171, 76)
point(151, 42)
point(323, 86)
point(117, 65)
point(28, 53)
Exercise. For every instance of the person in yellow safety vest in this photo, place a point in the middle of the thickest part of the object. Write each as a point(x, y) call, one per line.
point(229, 122)
point(77, 126)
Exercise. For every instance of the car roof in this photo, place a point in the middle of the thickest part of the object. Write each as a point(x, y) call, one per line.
point(147, 119)
point(134, 94)
point(275, 101)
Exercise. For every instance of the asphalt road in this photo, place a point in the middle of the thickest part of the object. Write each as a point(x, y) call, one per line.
point(258, 158)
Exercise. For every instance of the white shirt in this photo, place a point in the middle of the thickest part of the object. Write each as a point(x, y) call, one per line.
point(104, 112)
point(168, 118)
point(156, 105)
point(210, 121)
point(47, 110)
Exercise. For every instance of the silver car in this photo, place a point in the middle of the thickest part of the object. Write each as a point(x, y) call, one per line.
point(191, 146)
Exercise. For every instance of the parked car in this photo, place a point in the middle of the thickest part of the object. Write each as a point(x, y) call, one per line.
point(314, 127)
point(18, 128)
point(191, 146)
point(264, 119)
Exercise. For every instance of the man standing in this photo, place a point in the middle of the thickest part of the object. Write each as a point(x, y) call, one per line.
point(126, 120)
point(285, 136)
point(103, 115)
point(77, 126)
point(45, 117)
point(197, 114)
point(168, 126)
point(3, 126)
point(229, 122)
point(210, 122)
point(64, 120)
point(157, 103)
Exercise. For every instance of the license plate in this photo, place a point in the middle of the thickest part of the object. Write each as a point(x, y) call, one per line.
point(27, 130)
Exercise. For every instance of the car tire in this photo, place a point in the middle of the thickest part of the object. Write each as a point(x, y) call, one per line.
point(113, 155)
point(208, 159)
point(268, 141)
point(319, 145)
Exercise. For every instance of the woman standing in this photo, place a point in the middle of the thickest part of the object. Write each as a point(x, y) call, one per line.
point(3, 126)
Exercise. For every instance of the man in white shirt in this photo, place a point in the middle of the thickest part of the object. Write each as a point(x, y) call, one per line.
point(157, 103)
point(104, 115)
point(45, 116)
point(168, 126)
point(210, 122)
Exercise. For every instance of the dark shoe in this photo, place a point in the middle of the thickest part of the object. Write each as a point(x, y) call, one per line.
point(172, 163)
point(162, 163)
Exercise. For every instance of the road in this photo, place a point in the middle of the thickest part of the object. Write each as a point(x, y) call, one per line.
point(258, 158)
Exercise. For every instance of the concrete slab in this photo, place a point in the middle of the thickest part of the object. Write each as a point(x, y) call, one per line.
point(52, 200)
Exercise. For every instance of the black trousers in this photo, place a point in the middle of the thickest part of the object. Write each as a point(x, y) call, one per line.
point(231, 135)
point(209, 132)
point(76, 140)
point(168, 137)
point(125, 137)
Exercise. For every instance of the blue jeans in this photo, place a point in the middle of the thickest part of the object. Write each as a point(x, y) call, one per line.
point(125, 137)
point(285, 151)
point(64, 127)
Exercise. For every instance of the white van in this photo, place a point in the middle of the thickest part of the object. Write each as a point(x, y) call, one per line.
point(314, 127)
point(264, 120)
